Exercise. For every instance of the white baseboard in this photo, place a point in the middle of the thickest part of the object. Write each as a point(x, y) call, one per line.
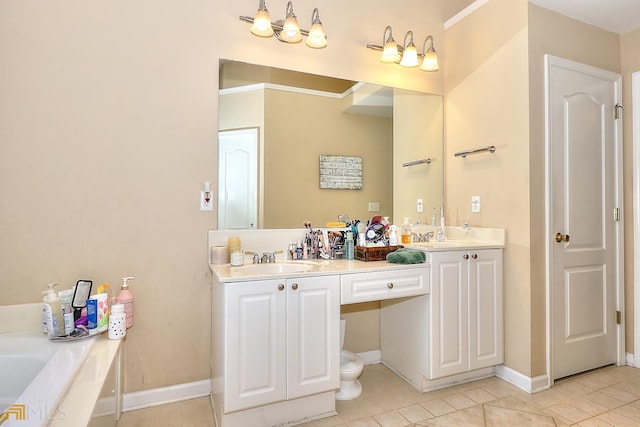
point(162, 395)
point(523, 382)
point(630, 360)
point(371, 357)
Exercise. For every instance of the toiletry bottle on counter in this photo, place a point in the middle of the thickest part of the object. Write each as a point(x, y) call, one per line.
point(66, 298)
point(393, 236)
point(117, 322)
point(45, 312)
point(405, 233)
point(349, 245)
point(125, 297)
point(53, 312)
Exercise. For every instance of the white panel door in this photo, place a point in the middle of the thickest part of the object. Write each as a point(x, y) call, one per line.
point(238, 179)
point(313, 345)
point(255, 343)
point(583, 196)
point(486, 347)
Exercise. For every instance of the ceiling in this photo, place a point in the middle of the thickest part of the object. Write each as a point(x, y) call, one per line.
point(618, 16)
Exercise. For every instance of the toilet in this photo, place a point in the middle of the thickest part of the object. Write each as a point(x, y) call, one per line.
point(351, 366)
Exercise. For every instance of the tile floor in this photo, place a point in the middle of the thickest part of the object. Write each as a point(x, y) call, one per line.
point(605, 397)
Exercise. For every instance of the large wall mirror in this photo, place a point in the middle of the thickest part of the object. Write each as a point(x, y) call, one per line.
point(274, 126)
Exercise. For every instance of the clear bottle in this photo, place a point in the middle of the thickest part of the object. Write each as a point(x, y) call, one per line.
point(349, 245)
point(393, 236)
point(53, 312)
point(405, 233)
point(125, 297)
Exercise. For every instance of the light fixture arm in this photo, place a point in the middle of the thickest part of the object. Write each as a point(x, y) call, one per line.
point(386, 39)
point(424, 45)
point(410, 34)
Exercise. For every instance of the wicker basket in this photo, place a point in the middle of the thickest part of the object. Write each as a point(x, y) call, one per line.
point(374, 254)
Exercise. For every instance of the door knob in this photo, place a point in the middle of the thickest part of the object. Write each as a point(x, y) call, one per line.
point(294, 286)
point(562, 237)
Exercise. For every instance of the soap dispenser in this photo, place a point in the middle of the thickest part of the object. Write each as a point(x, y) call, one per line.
point(405, 233)
point(125, 297)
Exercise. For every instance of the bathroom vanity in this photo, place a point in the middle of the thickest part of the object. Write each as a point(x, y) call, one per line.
point(276, 327)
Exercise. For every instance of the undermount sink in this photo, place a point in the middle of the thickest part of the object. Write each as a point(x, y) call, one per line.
point(275, 268)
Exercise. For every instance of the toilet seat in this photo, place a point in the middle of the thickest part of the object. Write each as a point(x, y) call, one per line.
point(350, 362)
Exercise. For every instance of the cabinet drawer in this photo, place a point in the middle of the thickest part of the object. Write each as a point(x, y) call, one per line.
point(362, 287)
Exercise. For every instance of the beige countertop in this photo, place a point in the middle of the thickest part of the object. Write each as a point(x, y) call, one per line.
point(226, 274)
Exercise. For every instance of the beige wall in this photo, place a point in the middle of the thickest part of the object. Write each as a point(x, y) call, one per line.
point(487, 104)
point(108, 118)
point(630, 63)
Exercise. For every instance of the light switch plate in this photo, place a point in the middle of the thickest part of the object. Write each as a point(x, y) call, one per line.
point(374, 206)
point(204, 205)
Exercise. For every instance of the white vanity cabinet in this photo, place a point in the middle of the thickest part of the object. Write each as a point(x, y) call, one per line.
point(281, 340)
point(465, 319)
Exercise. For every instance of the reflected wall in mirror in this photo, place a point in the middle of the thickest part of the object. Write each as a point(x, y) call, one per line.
point(296, 117)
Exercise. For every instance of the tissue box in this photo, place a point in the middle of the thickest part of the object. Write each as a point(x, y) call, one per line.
point(375, 253)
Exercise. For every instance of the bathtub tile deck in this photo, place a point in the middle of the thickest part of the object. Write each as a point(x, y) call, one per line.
point(605, 397)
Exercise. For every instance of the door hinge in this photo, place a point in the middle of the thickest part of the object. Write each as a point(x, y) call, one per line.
point(618, 317)
point(616, 111)
point(616, 214)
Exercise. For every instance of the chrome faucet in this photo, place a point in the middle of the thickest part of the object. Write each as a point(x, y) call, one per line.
point(268, 257)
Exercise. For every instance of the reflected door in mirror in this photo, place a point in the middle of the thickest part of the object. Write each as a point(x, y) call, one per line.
point(237, 179)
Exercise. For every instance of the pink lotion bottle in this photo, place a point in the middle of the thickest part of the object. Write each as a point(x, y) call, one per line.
point(125, 297)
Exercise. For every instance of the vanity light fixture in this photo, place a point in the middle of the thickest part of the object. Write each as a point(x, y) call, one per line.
point(287, 30)
point(407, 55)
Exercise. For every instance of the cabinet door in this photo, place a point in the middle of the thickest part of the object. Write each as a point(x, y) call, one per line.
point(448, 317)
point(485, 308)
point(313, 340)
point(255, 342)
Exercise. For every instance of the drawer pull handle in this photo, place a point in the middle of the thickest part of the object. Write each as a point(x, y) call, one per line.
point(281, 287)
point(294, 286)
point(390, 285)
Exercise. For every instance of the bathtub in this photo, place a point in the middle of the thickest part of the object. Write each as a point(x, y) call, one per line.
point(35, 374)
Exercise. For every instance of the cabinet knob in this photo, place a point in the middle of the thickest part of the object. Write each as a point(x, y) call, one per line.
point(390, 285)
point(294, 286)
point(474, 256)
point(562, 238)
point(465, 256)
point(281, 287)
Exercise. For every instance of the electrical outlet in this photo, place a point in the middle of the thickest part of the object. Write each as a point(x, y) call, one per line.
point(374, 206)
point(419, 206)
point(475, 204)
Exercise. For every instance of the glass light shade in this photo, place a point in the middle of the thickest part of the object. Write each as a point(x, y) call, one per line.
point(291, 30)
point(390, 52)
point(430, 61)
point(316, 38)
point(410, 56)
point(262, 24)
